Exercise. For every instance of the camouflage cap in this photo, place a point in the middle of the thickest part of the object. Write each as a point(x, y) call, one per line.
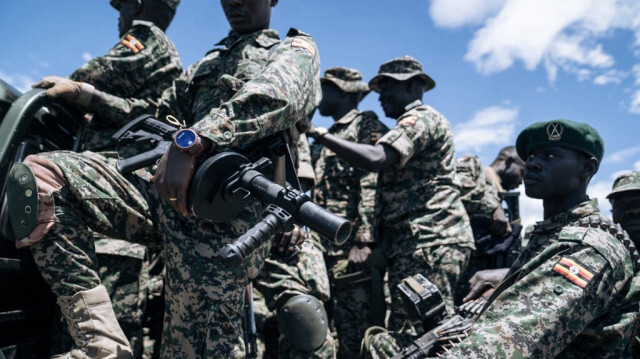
point(402, 69)
point(560, 133)
point(172, 4)
point(348, 80)
point(628, 181)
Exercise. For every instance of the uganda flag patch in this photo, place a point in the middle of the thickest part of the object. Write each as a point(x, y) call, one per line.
point(132, 43)
point(299, 43)
point(574, 271)
point(409, 120)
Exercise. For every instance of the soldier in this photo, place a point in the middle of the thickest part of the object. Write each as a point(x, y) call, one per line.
point(480, 194)
point(252, 86)
point(423, 225)
point(350, 192)
point(567, 294)
point(142, 64)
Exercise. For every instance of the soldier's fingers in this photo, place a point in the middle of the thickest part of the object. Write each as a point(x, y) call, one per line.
point(42, 84)
point(476, 290)
point(181, 202)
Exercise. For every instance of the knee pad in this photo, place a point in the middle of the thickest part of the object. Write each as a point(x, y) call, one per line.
point(30, 186)
point(303, 321)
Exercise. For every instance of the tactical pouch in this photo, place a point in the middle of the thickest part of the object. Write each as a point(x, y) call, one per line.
point(422, 300)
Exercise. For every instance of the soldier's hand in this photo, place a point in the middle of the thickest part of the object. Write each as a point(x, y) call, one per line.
point(500, 227)
point(173, 176)
point(289, 240)
point(358, 258)
point(485, 280)
point(72, 91)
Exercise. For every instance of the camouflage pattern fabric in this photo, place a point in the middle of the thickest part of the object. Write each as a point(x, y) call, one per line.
point(306, 273)
point(477, 193)
point(382, 344)
point(305, 167)
point(419, 202)
point(141, 65)
point(347, 80)
point(350, 192)
point(225, 92)
point(568, 294)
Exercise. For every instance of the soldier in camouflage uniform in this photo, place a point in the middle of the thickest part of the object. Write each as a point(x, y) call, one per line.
point(252, 86)
point(625, 203)
point(305, 274)
point(142, 64)
point(423, 225)
point(349, 192)
point(480, 195)
point(568, 293)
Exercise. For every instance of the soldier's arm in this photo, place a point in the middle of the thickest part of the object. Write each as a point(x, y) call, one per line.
point(545, 310)
point(286, 91)
point(374, 158)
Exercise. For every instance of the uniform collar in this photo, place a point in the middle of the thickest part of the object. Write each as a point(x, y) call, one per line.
point(584, 209)
point(265, 38)
point(413, 105)
point(349, 117)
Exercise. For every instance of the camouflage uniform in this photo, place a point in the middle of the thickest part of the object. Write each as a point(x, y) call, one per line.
point(220, 96)
point(142, 64)
point(565, 296)
point(350, 192)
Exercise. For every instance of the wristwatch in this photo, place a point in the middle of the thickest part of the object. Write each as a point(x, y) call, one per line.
point(187, 140)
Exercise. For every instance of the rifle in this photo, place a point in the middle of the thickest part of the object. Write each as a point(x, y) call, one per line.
point(225, 183)
point(513, 205)
point(249, 325)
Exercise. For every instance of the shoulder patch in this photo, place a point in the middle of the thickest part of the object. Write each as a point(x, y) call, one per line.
point(301, 44)
point(576, 272)
point(408, 120)
point(132, 43)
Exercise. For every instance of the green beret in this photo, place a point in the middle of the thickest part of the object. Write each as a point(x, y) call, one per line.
point(347, 80)
point(172, 4)
point(560, 133)
point(628, 181)
point(402, 69)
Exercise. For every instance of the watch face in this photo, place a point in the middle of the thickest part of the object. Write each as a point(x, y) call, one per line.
point(185, 138)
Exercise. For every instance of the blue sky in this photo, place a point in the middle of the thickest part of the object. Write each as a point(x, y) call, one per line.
point(499, 65)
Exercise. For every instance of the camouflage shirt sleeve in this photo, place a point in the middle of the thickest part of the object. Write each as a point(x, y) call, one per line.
point(477, 195)
point(565, 291)
point(140, 66)
point(285, 92)
point(305, 170)
point(369, 131)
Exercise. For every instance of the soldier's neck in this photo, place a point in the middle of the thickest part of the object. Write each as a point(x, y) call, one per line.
point(557, 205)
point(341, 111)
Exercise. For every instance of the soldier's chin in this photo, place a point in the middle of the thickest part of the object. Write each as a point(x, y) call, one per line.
point(532, 192)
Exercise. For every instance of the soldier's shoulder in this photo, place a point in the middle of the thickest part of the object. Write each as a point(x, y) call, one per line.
point(293, 32)
point(601, 235)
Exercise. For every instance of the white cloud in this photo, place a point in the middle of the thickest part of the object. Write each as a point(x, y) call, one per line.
point(609, 77)
point(531, 210)
point(600, 190)
point(21, 82)
point(637, 166)
point(622, 155)
point(454, 13)
point(562, 35)
point(86, 56)
point(490, 126)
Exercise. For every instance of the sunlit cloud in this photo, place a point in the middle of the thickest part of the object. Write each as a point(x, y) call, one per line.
point(563, 36)
point(21, 82)
point(622, 155)
point(86, 56)
point(490, 126)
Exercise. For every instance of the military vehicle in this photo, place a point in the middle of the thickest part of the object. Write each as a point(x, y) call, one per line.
point(29, 123)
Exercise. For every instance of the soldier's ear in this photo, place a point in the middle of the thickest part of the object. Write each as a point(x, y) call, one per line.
point(590, 167)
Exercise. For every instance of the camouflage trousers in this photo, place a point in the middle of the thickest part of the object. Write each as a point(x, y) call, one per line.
point(442, 265)
point(304, 274)
point(204, 298)
point(124, 271)
point(351, 310)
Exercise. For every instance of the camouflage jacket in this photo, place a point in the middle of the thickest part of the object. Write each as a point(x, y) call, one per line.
point(250, 87)
point(568, 295)
point(346, 190)
point(419, 199)
point(478, 194)
point(141, 65)
point(303, 160)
